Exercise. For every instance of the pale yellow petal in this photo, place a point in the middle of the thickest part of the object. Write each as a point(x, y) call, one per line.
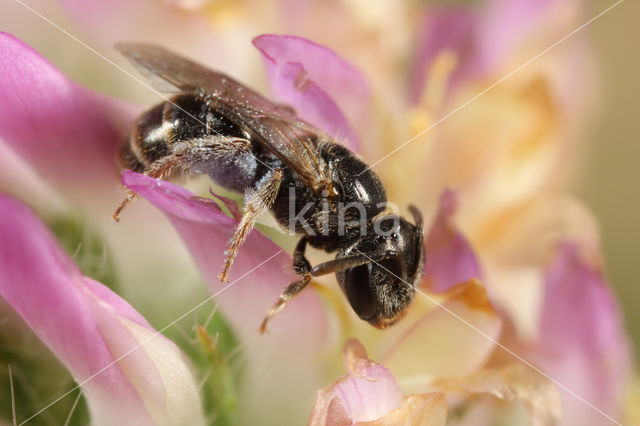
point(452, 340)
point(514, 382)
point(429, 409)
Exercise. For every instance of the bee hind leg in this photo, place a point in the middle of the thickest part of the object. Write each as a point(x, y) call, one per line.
point(161, 169)
point(257, 201)
point(124, 204)
point(181, 159)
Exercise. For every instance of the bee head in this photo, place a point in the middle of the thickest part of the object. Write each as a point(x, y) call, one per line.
point(380, 291)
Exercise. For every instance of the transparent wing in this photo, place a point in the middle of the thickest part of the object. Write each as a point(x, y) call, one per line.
point(276, 127)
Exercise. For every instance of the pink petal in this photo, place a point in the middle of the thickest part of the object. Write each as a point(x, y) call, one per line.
point(206, 230)
point(450, 260)
point(88, 327)
point(324, 89)
point(444, 29)
point(582, 343)
point(367, 392)
point(505, 26)
point(485, 39)
point(67, 133)
point(286, 358)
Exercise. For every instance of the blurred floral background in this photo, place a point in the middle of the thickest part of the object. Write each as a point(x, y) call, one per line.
point(585, 99)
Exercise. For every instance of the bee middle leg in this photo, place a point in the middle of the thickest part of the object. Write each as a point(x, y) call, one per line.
point(257, 200)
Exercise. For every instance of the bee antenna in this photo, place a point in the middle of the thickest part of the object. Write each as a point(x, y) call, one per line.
point(417, 216)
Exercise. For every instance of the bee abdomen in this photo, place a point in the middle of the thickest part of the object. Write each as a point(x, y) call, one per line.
point(128, 159)
point(184, 118)
point(149, 141)
point(202, 135)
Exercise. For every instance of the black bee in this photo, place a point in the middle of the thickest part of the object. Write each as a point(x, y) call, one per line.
point(314, 186)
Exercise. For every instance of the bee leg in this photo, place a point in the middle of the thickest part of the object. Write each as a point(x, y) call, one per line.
point(123, 205)
point(184, 154)
point(348, 262)
point(289, 293)
point(161, 169)
point(302, 267)
point(257, 201)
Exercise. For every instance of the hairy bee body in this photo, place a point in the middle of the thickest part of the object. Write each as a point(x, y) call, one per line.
point(314, 186)
point(187, 119)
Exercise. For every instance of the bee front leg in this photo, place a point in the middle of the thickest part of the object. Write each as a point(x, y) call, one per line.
point(302, 267)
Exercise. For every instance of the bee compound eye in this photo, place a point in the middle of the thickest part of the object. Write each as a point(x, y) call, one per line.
point(360, 292)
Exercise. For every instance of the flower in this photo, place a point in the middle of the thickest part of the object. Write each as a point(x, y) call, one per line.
point(368, 393)
point(126, 371)
point(585, 351)
point(496, 245)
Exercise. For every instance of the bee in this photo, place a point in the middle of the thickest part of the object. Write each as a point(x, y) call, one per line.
point(313, 185)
